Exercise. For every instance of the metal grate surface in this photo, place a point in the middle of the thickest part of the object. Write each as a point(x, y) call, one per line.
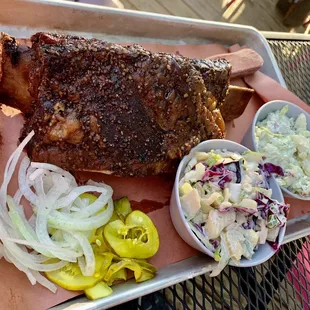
point(283, 282)
point(293, 58)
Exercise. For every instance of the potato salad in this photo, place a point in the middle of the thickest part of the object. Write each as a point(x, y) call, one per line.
point(227, 202)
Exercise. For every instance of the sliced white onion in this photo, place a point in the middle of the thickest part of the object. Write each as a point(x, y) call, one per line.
point(75, 209)
point(56, 169)
point(7, 258)
point(39, 257)
point(28, 260)
point(13, 159)
point(38, 186)
point(11, 231)
point(96, 206)
point(74, 244)
point(30, 171)
point(66, 210)
point(57, 235)
point(23, 184)
point(59, 220)
point(18, 197)
point(54, 196)
point(75, 193)
point(20, 267)
point(27, 232)
point(60, 239)
point(19, 220)
point(1, 250)
point(80, 203)
point(32, 221)
point(23, 257)
point(48, 182)
point(88, 252)
point(9, 245)
point(44, 282)
point(60, 188)
point(82, 265)
point(36, 173)
point(30, 277)
point(51, 198)
point(44, 246)
point(8, 172)
point(43, 235)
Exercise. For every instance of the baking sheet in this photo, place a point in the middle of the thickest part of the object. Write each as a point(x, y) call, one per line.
point(150, 192)
point(121, 26)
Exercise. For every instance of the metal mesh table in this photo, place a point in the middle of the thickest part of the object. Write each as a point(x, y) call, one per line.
point(280, 283)
point(293, 58)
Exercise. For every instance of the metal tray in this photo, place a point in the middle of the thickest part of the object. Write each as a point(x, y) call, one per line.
point(131, 26)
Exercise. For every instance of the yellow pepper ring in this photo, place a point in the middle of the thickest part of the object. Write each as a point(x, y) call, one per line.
point(116, 267)
point(136, 238)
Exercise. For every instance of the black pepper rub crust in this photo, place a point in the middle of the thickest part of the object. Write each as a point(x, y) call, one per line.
point(124, 110)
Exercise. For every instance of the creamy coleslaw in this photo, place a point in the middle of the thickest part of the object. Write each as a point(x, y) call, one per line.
point(285, 141)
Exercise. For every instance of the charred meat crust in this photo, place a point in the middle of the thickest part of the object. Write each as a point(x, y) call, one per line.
point(15, 60)
point(102, 106)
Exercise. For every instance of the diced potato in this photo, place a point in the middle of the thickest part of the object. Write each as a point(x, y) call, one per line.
point(234, 241)
point(247, 187)
point(191, 164)
point(217, 221)
point(226, 194)
point(205, 207)
point(200, 170)
point(225, 204)
point(212, 198)
point(217, 202)
point(200, 156)
point(273, 234)
point(185, 189)
point(252, 236)
point(263, 233)
point(235, 190)
point(248, 204)
point(190, 203)
point(190, 176)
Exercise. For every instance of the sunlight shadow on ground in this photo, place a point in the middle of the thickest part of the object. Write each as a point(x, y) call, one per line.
point(234, 11)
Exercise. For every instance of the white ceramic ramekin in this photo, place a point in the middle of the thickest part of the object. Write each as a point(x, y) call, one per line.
point(261, 114)
point(264, 252)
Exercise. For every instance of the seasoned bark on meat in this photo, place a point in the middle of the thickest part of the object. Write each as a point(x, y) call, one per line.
point(122, 110)
point(14, 71)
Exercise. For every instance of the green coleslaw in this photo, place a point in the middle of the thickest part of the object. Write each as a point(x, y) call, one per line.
point(285, 141)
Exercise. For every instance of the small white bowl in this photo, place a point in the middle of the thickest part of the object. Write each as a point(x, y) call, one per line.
point(264, 251)
point(261, 114)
